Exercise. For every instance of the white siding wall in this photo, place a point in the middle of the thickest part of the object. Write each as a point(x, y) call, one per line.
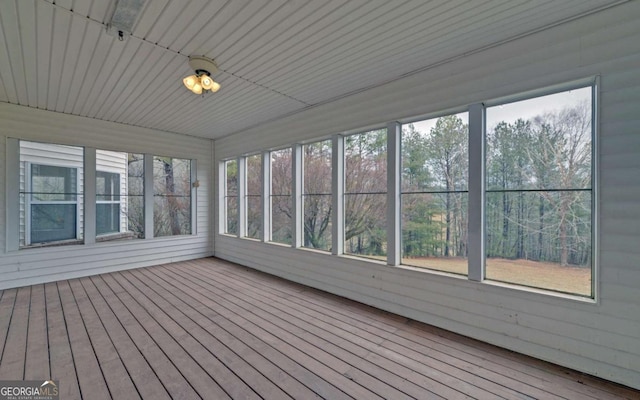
point(28, 266)
point(601, 338)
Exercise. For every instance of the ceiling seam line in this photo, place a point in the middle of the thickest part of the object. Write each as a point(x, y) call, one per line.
point(156, 45)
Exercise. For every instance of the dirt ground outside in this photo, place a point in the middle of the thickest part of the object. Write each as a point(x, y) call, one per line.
point(574, 280)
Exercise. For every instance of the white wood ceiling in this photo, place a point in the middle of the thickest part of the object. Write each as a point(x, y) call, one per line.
point(276, 57)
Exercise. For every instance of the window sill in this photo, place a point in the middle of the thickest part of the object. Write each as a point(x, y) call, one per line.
point(53, 244)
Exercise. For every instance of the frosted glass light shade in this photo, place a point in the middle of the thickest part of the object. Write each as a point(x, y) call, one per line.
point(197, 88)
point(206, 82)
point(190, 82)
point(215, 87)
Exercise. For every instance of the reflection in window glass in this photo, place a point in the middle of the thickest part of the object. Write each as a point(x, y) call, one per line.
point(435, 193)
point(253, 196)
point(51, 193)
point(316, 195)
point(231, 197)
point(538, 201)
point(172, 196)
point(365, 191)
point(281, 196)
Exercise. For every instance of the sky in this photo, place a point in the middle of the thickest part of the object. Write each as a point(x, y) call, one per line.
point(524, 109)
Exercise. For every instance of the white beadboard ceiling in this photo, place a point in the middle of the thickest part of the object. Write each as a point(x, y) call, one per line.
point(276, 57)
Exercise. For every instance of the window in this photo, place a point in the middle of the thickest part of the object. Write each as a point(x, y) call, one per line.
point(316, 195)
point(172, 196)
point(281, 199)
point(50, 193)
point(434, 193)
point(231, 197)
point(107, 202)
point(119, 195)
point(253, 197)
point(539, 192)
point(365, 194)
point(521, 213)
point(135, 195)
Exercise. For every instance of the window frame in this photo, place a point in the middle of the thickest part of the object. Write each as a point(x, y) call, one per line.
point(402, 192)
point(342, 154)
point(594, 84)
point(268, 208)
point(304, 195)
point(28, 202)
point(113, 202)
point(191, 194)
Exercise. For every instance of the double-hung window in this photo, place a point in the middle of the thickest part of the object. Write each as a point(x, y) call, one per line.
point(107, 202)
point(52, 204)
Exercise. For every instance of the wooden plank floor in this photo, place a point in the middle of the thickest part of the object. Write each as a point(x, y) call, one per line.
point(214, 330)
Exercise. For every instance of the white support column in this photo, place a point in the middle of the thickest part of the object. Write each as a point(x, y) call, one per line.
point(266, 196)
point(194, 197)
point(476, 192)
point(337, 198)
point(297, 175)
point(13, 194)
point(148, 196)
point(394, 234)
point(242, 201)
point(89, 195)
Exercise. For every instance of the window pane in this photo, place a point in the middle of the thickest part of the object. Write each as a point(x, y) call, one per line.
point(539, 209)
point(365, 194)
point(51, 186)
point(254, 196)
point(107, 218)
point(317, 221)
point(171, 215)
point(232, 215)
point(281, 219)
point(434, 231)
point(119, 195)
point(135, 194)
point(365, 227)
point(108, 183)
point(172, 196)
point(53, 222)
point(254, 216)
point(281, 199)
point(231, 197)
point(231, 170)
point(435, 173)
point(49, 183)
point(317, 195)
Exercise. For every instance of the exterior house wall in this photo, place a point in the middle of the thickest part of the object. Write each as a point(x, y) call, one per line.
point(600, 337)
point(36, 265)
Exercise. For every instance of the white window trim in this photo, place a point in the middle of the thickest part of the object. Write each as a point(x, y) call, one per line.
point(118, 202)
point(28, 201)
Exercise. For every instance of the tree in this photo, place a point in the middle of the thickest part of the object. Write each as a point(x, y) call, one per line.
point(317, 195)
point(365, 192)
point(447, 156)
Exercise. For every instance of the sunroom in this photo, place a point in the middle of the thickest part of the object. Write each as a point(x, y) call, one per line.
point(320, 199)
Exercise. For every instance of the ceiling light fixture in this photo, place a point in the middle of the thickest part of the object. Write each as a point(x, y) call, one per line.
point(203, 67)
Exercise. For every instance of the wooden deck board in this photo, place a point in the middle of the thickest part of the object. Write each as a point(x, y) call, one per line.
point(37, 340)
point(212, 329)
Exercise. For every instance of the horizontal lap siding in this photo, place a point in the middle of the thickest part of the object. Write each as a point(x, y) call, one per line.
point(601, 338)
point(30, 266)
